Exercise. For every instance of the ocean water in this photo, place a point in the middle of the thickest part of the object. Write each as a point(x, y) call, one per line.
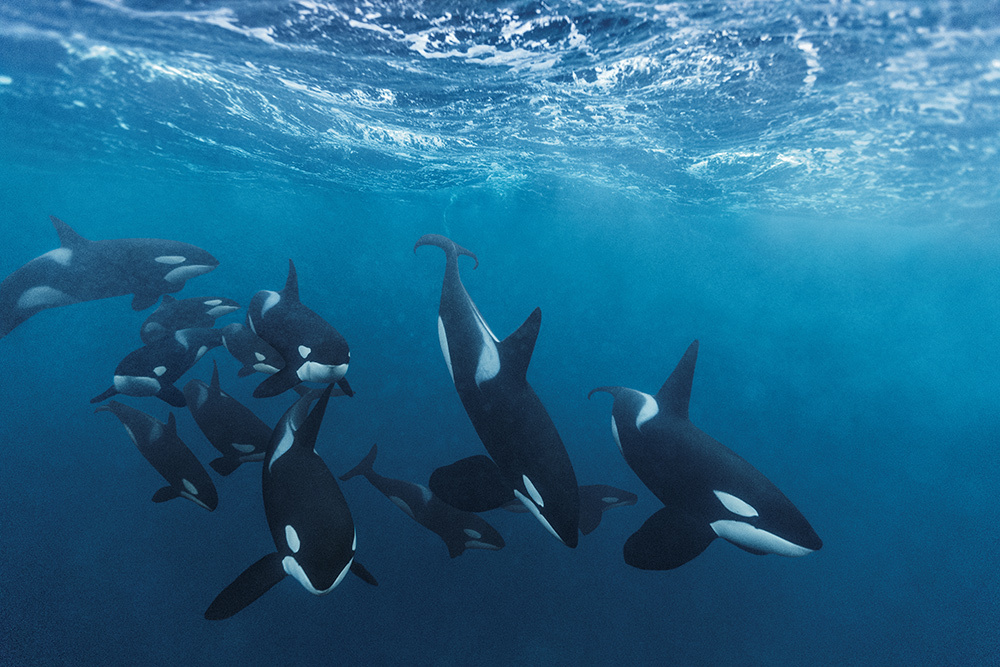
point(810, 189)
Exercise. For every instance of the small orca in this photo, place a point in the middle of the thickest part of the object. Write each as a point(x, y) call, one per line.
point(174, 315)
point(707, 490)
point(490, 377)
point(83, 270)
point(310, 522)
point(250, 350)
point(159, 444)
point(459, 530)
point(233, 429)
point(475, 484)
point(153, 369)
point(313, 351)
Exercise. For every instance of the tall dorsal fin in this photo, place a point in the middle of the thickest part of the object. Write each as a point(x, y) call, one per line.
point(518, 347)
point(68, 238)
point(215, 376)
point(675, 394)
point(171, 424)
point(309, 429)
point(291, 290)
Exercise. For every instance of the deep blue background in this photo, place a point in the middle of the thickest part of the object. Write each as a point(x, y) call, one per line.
point(846, 308)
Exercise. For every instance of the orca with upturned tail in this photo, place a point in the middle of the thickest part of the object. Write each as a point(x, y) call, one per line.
point(250, 350)
point(312, 350)
point(167, 453)
point(176, 314)
point(153, 369)
point(232, 428)
point(707, 490)
point(515, 428)
point(459, 530)
point(475, 484)
point(84, 270)
point(308, 517)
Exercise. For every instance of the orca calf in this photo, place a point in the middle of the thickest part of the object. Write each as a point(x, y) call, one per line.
point(233, 429)
point(707, 490)
point(83, 270)
point(475, 484)
point(250, 350)
point(159, 444)
point(153, 369)
point(310, 522)
point(174, 315)
point(490, 377)
point(312, 350)
point(459, 530)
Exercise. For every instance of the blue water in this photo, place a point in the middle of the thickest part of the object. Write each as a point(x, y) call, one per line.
point(809, 189)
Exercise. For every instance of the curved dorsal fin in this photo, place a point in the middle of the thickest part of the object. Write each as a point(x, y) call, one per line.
point(171, 424)
point(215, 376)
point(675, 394)
point(518, 346)
point(309, 429)
point(291, 290)
point(68, 238)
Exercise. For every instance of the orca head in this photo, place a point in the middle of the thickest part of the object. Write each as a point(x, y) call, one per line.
point(219, 306)
point(178, 262)
point(206, 496)
point(325, 361)
point(316, 561)
point(563, 525)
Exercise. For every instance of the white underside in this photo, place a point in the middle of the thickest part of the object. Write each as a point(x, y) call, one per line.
point(533, 508)
point(743, 534)
point(443, 339)
point(313, 371)
point(293, 568)
point(183, 273)
point(43, 296)
point(476, 544)
point(132, 385)
point(194, 499)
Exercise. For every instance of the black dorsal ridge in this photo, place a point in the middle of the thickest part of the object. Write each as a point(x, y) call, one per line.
point(675, 394)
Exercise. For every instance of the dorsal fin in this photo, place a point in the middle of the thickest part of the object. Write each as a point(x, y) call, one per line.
point(171, 424)
point(309, 429)
point(291, 290)
point(68, 238)
point(518, 347)
point(675, 394)
point(215, 376)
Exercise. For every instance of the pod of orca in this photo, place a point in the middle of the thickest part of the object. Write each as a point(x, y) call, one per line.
point(706, 489)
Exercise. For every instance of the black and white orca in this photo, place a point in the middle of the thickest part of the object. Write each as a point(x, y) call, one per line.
point(310, 522)
point(232, 428)
point(159, 444)
point(490, 376)
point(174, 315)
point(83, 270)
point(475, 484)
point(459, 530)
point(313, 351)
point(250, 350)
point(707, 490)
point(153, 369)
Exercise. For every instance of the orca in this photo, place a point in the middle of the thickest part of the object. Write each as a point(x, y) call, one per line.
point(475, 484)
point(159, 444)
point(174, 315)
point(312, 350)
point(707, 490)
point(490, 377)
point(308, 517)
point(250, 350)
point(232, 428)
point(153, 369)
point(459, 530)
point(84, 270)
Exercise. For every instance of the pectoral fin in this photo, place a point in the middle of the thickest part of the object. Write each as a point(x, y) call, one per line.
point(667, 540)
point(254, 582)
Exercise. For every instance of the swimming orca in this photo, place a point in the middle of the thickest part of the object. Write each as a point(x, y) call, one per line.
point(459, 530)
point(475, 484)
point(174, 315)
point(233, 429)
point(159, 444)
point(152, 369)
point(309, 519)
point(250, 350)
point(707, 490)
point(313, 351)
point(490, 377)
point(83, 270)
